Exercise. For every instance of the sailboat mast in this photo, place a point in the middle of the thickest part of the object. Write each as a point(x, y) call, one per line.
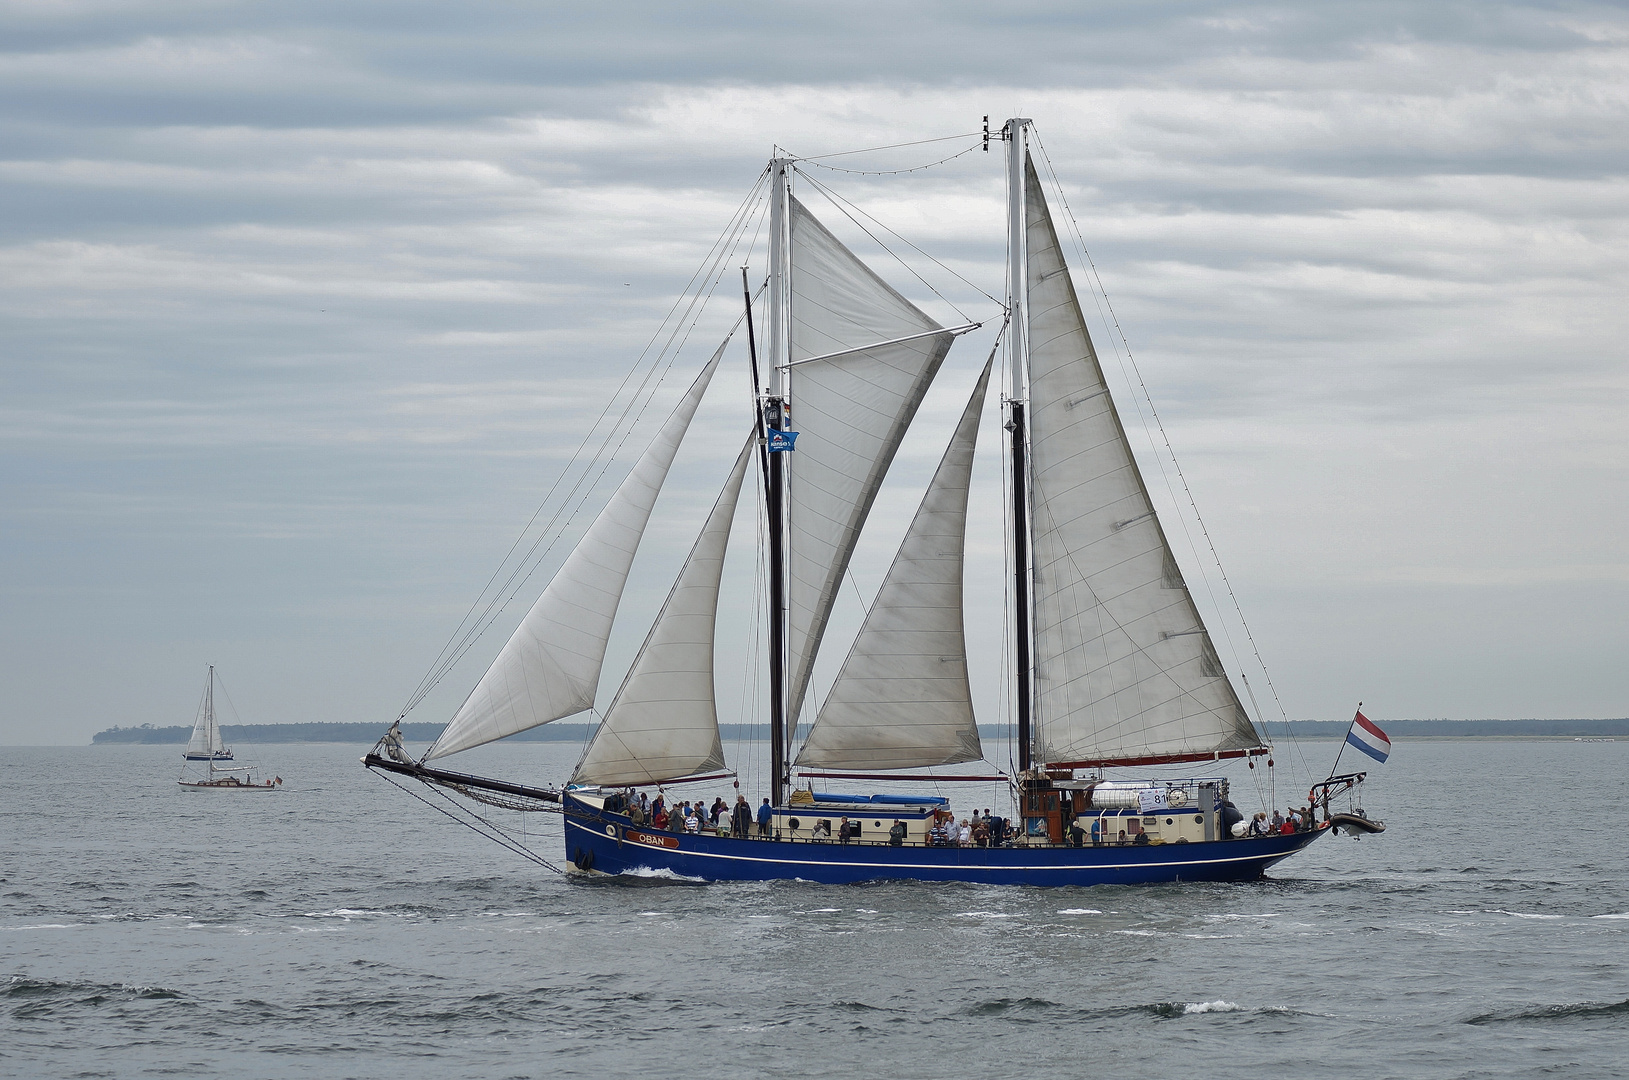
point(1017, 398)
point(775, 415)
point(209, 718)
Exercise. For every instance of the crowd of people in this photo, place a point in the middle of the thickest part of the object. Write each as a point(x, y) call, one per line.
point(740, 820)
point(1297, 820)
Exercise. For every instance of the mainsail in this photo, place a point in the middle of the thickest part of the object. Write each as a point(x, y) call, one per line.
point(852, 409)
point(902, 700)
point(663, 722)
point(1124, 669)
point(206, 733)
point(550, 667)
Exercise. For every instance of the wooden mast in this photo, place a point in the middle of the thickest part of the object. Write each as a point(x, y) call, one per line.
point(1017, 436)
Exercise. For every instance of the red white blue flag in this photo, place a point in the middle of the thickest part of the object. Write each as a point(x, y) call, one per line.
point(1366, 736)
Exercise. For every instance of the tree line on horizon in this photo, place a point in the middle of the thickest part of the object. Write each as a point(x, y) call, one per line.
point(424, 733)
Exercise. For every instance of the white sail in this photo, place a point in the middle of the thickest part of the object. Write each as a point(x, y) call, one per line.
point(663, 722)
point(1124, 668)
point(902, 699)
point(851, 410)
point(206, 733)
point(550, 666)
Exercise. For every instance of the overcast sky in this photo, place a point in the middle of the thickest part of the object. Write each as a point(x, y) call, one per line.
point(305, 304)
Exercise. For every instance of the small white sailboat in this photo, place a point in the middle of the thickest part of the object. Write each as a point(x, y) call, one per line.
point(206, 745)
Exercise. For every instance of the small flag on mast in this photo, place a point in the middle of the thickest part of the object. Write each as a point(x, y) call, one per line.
point(1367, 736)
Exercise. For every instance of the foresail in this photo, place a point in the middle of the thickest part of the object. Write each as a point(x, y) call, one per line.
point(851, 410)
point(550, 666)
point(902, 699)
point(663, 722)
point(1124, 668)
point(206, 737)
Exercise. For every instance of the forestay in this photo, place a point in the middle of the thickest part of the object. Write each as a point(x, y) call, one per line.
point(550, 667)
point(663, 722)
point(852, 411)
point(902, 699)
point(1124, 668)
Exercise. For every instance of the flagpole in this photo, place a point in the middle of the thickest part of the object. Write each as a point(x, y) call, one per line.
point(1342, 749)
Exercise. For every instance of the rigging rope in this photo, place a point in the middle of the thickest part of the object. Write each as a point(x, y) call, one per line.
point(889, 172)
point(893, 146)
point(488, 829)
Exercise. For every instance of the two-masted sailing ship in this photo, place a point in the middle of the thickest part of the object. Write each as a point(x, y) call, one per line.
point(1111, 664)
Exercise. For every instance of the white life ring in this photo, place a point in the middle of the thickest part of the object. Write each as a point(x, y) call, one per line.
point(1176, 797)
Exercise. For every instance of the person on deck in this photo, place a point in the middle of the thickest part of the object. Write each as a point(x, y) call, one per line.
point(896, 835)
point(766, 814)
point(965, 836)
point(845, 832)
point(1076, 834)
point(1122, 839)
point(741, 818)
point(1097, 832)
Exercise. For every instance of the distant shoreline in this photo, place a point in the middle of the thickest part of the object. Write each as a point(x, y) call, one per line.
point(425, 733)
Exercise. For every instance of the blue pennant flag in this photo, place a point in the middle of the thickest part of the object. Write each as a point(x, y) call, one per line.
point(782, 440)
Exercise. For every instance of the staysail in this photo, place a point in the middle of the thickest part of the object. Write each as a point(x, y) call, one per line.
point(663, 722)
point(1124, 668)
point(901, 700)
point(851, 409)
point(550, 667)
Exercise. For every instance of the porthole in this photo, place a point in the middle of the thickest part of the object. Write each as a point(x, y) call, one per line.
point(1199, 819)
point(792, 823)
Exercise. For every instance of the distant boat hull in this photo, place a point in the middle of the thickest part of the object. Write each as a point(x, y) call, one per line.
point(224, 755)
point(224, 785)
point(606, 843)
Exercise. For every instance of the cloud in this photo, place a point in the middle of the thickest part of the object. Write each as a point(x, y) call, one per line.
point(310, 304)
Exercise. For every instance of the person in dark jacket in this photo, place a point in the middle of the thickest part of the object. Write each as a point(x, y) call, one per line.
point(896, 835)
point(741, 818)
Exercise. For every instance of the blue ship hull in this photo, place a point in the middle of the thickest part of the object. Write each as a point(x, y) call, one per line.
point(608, 843)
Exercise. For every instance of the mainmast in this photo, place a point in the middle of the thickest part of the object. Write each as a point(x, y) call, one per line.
point(1014, 131)
point(209, 719)
point(776, 418)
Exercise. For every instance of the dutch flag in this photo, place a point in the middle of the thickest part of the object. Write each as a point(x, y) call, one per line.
point(1366, 736)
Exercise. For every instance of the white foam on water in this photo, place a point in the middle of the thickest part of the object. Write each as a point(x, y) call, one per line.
point(1523, 914)
point(662, 873)
point(985, 915)
point(46, 926)
point(1210, 1007)
point(1617, 915)
point(1136, 933)
point(1080, 911)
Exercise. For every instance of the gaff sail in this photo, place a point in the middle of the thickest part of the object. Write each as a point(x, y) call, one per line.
point(852, 410)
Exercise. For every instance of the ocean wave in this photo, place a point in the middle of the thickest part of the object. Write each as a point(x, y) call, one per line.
point(1578, 1011)
point(1194, 1008)
point(1080, 911)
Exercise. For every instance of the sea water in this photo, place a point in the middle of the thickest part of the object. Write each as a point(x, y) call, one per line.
point(341, 928)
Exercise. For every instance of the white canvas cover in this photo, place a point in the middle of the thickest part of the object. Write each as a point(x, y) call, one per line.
point(663, 722)
point(1124, 668)
point(852, 412)
point(550, 666)
point(902, 699)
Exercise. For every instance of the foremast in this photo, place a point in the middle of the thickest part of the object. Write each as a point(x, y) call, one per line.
point(774, 413)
